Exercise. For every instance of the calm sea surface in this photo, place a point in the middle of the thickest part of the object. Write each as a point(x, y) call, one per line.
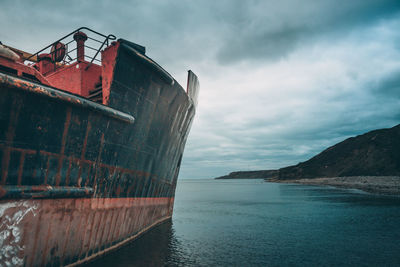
point(253, 223)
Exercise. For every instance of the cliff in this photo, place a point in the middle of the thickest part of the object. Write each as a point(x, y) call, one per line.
point(376, 153)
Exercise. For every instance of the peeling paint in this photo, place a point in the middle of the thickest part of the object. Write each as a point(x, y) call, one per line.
point(11, 247)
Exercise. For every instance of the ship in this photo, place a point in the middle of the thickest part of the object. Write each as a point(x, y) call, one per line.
point(92, 133)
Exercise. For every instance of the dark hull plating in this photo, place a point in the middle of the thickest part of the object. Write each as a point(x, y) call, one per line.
point(79, 178)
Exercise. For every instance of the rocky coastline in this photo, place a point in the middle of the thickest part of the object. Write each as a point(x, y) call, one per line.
point(369, 162)
point(387, 185)
point(264, 174)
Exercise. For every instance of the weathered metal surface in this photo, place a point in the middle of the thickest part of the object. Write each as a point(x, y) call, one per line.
point(193, 86)
point(147, 61)
point(44, 191)
point(67, 231)
point(103, 180)
point(16, 68)
point(20, 84)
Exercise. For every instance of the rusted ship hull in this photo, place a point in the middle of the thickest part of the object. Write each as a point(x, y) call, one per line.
point(41, 232)
point(80, 178)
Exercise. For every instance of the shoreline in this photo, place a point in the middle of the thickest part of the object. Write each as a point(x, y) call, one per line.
point(385, 185)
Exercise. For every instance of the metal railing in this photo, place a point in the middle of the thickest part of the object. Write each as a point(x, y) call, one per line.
point(93, 45)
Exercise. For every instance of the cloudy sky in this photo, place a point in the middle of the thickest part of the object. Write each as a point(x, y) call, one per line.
point(280, 80)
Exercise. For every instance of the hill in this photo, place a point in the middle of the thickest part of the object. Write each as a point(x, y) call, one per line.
point(271, 174)
point(376, 153)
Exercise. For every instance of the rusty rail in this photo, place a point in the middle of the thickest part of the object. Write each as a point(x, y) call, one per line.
point(64, 97)
point(107, 38)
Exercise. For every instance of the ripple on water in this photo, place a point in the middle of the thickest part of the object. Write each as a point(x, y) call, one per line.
point(252, 223)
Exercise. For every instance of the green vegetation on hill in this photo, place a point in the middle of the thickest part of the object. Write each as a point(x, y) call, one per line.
point(376, 153)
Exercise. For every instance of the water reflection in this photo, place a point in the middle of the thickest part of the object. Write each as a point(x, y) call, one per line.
point(156, 248)
point(336, 195)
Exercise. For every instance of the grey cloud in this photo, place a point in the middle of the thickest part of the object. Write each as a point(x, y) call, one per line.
point(269, 46)
point(388, 86)
point(249, 148)
point(259, 39)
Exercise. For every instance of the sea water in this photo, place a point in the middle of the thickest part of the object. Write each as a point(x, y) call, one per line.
point(254, 223)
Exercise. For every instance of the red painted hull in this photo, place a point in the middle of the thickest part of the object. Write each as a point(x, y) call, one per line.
point(72, 231)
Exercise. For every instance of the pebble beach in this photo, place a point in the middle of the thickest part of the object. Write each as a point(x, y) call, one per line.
point(387, 185)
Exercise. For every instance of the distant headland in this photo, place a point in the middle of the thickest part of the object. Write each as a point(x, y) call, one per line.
point(370, 162)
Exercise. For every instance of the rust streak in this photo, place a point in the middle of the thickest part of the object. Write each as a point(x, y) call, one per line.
point(47, 153)
point(26, 151)
point(92, 226)
point(110, 219)
point(129, 222)
point(9, 139)
point(47, 171)
point(101, 226)
point(88, 175)
point(67, 236)
point(107, 227)
point(88, 128)
point(46, 246)
point(78, 181)
point(111, 234)
point(63, 142)
point(81, 250)
point(83, 153)
point(34, 173)
point(109, 167)
point(99, 158)
point(37, 230)
point(135, 214)
point(93, 166)
point(82, 204)
point(122, 224)
point(68, 171)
